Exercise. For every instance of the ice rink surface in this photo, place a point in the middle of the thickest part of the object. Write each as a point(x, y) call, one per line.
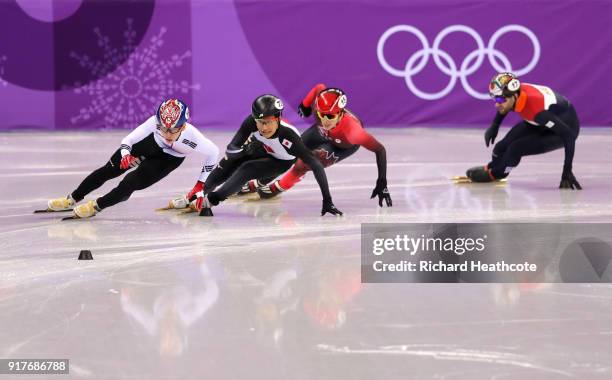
point(271, 290)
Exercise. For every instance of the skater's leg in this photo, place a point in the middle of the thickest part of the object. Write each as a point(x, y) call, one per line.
point(327, 154)
point(224, 169)
point(250, 169)
point(149, 172)
point(526, 146)
point(520, 130)
point(99, 176)
point(147, 148)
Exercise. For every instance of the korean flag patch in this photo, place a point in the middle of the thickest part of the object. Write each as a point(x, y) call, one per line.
point(287, 143)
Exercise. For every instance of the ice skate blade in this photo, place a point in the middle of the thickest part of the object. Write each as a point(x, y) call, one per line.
point(75, 217)
point(44, 211)
point(187, 210)
point(260, 199)
point(461, 179)
point(242, 195)
point(170, 208)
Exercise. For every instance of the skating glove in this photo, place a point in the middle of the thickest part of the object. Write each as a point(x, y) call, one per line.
point(382, 192)
point(234, 152)
point(491, 134)
point(304, 111)
point(129, 161)
point(206, 201)
point(191, 196)
point(568, 181)
point(328, 206)
point(252, 145)
point(199, 200)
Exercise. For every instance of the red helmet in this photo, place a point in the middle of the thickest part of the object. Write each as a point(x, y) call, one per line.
point(330, 101)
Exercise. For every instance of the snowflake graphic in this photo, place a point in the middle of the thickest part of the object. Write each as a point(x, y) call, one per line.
point(2, 60)
point(129, 95)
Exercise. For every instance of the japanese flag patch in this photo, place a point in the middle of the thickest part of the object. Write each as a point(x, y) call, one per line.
point(286, 143)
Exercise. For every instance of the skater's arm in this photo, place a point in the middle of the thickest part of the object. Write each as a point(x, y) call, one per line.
point(210, 152)
point(248, 126)
point(318, 171)
point(491, 132)
point(558, 126)
point(312, 94)
point(138, 134)
point(305, 107)
point(299, 150)
point(381, 162)
point(359, 136)
point(370, 143)
point(498, 119)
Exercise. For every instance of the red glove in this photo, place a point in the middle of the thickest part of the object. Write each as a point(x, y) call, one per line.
point(199, 200)
point(129, 161)
point(197, 188)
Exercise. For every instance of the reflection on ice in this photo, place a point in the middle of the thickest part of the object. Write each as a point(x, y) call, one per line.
point(270, 290)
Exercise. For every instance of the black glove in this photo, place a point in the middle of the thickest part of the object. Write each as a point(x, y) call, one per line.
point(234, 152)
point(304, 111)
point(568, 181)
point(328, 206)
point(252, 146)
point(491, 134)
point(382, 192)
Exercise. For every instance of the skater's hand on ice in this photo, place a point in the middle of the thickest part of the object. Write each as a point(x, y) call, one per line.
point(328, 206)
point(491, 134)
point(382, 192)
point(199, 200)
point(304, 111)
point(191, 196)
point(568, 181)
point(129, 161)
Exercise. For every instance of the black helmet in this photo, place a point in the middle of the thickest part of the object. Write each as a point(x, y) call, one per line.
point(267, 105)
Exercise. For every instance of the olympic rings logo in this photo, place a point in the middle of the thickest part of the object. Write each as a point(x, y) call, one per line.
point(472, 62)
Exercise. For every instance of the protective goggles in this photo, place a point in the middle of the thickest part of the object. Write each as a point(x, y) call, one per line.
point(267, 120)
point(499, 99)
point(171, 130)
point(328, 116)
